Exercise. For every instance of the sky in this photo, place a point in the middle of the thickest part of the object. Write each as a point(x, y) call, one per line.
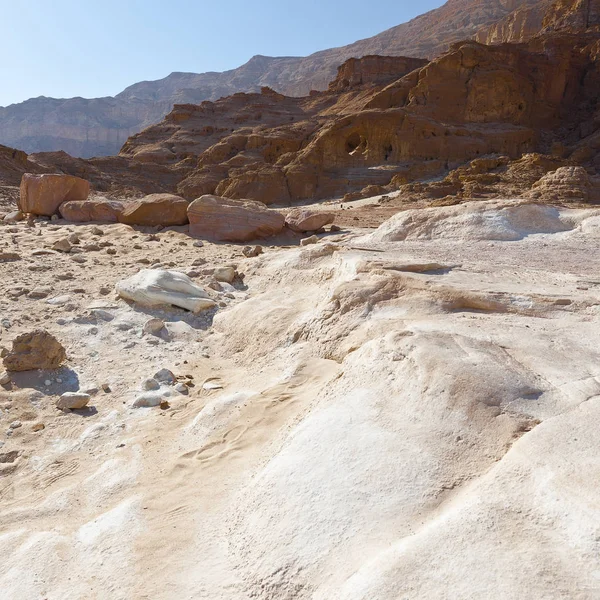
point(93, 48)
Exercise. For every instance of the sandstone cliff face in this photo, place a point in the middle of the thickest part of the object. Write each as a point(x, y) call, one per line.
point(100, 126)
point(373, 70)
point(473, 101)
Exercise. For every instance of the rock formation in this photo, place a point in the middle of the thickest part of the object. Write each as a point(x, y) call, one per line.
point(101, 125)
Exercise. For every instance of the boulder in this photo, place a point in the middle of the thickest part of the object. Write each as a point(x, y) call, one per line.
point(37, 349)
point(303, 219)
point(156, 209)
point(153, 287)
point(84, 211)
point(223, 219)
point(43, 194)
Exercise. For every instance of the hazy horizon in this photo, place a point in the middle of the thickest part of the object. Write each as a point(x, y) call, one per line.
point(95, 49)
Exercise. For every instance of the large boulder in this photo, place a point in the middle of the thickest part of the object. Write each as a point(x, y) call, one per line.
point(37, 349)
point(304, 219)
point(156, 209)
point(84, 211)
point(223, 219)
point(155, 287)
point(43, 194)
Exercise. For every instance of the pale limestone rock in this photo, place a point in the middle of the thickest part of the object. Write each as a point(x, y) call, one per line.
point(153, 287)
point(73, 400)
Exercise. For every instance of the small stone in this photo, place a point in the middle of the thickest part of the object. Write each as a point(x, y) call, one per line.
point(198, 262)
point(47, 382)
point(39, 293)
point(251, 251)
point(105, 388)
point(9, 257)
point(73, 400)
point(182, 389)
point(335, 228)
point(313, 239)
point(198, 244)
point(13, 217)
point(16, 424)
point(105, 291)
point(150, 384)
point(111, 251)
point(103, 315)
point(59, 300)
point(226, 274)
point(165, 376)
point(62, 245)
point(74, 238)
point(155, 327)
point(4, 378)
point(38, 427)
point(149, 399)
point(97, 231)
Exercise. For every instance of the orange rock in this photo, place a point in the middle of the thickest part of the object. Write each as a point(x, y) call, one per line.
point(83, 211)
point(156, 209)
point(43, 194)
point(228, 220)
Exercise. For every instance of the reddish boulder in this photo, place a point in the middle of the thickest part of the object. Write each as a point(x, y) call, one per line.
point(227, 220)
point(156, 209)
point(84, 211)
point(43, 194)
point(303, 219)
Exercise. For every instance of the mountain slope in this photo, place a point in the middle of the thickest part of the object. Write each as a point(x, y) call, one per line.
point(100, 126)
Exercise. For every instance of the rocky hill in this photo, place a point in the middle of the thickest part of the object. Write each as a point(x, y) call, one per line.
point(100, 126)
point(478, 121)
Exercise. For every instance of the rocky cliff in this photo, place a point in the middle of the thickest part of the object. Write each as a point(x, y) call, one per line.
point(379, 127)
point(100, 126)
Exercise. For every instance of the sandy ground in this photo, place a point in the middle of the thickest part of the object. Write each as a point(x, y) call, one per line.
point(398, 414)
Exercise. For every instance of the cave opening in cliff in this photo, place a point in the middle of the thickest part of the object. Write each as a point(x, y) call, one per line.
point(356, 144)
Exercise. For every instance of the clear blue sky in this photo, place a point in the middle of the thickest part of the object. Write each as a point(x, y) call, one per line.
point(91, 48)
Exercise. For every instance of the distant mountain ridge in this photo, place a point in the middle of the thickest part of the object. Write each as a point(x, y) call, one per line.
point(100, 126)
